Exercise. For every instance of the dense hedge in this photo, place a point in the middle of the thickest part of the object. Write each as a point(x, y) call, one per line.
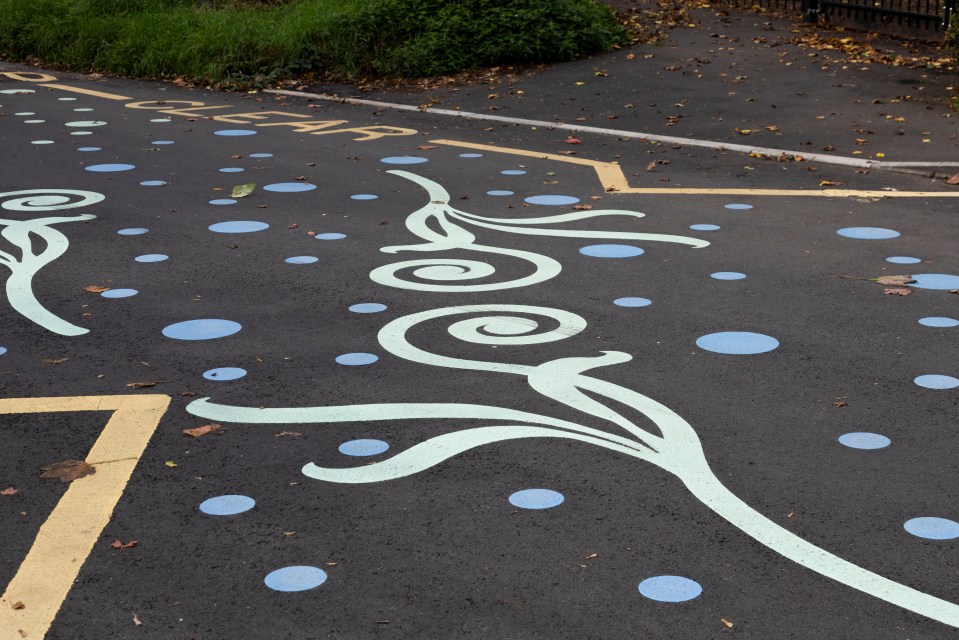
point(269, 39)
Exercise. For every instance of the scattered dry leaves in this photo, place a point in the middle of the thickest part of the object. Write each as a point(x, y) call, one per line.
point(898, 292)
point(67, 471)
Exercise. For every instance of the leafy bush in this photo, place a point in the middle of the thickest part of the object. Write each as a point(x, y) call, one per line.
point(229, 39)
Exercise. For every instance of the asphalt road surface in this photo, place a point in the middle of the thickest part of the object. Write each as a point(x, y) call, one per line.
point(461, 379)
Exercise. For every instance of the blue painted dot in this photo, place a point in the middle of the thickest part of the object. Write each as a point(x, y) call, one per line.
point(611, 251)
point(261, 155)
point(229, 505)
point(3, 350)
point(357, 359)
point(132, 231)
point(632, 302)
point(109, 168)
point(903, 260)
point(739, 207)
point(933, 321)
point(471, 155)
point(552, 200)
point(364, 196)
point(513, 172)
point(330, 236)
point(670, 588)
point(152, 257)
point(536, 499)
point(204, 329)
point(864, 440)
point(499, 192)
point(368, 307)
point(289, 187)
point(938, 281)
point(224, 374)
point(238, 226)
point(235, 132)
point(119, 293)
point(932, 528)
point(162, 142)
point(704, 227)
point(297, 578)
point(88, 149)
point(404, 160)
point(152, 183)
point(738, 343)
point(223, 201)
point(727, 275)
point(934, 381)
point(232, 170)
point(363, 447)
point(868, 233)
point(302, 260)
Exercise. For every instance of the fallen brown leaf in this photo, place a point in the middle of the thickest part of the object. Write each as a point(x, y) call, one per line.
point(427, 147)
point(198, 432)
point(136, 621)
point(651, 166)
point(19, 605)
point(895, 281)
point(93, 288)
point(583, 207)
point(572, 140)
point(9, 491)
point(729, 625)
point(830, 183)
point(117, 544)
point(953, 180)
point(898, 292)
point(146, 384)
point(283, 434)
point(53, 361)
point(591, 556)
point(67, 471)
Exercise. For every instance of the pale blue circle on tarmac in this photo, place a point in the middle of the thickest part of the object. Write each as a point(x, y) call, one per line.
point(224, 374)
point(551, 200)
point(704, 227)
point(88, 149)
point(937, 281)
point(235, 132)
point(513, 172)
point(232, 170)
point(152, 183)
point(163, 142)
point(203, 329)
point(3, 350)
point(864, 440)
point(364, 196)
point(301, 260)
point(261, 155)
point(109, 168)
point(330, 236)
point(738, 343)
point(229, 505)
point(238, 226)
point(289, 187)
point(632, 302)
point(223, 201)
point(739, 207)
point(935, 381)
point(368, 307)
point(357, 359)
point(536, 499)
point(132, 231)
point(611, 251)
point(363, 447)
point(471, 155)
point(934, 321)
point(119, 293)
point(499, 192)
point(296, 578)
point(152, 257)
point(404, 160)
point(868, 233)
point(903, 260)
point(670, 588)
point(727, 275)
point(932, 528)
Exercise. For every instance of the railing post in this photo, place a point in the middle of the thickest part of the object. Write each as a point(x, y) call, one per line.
point(948, 9)
point(810, 10)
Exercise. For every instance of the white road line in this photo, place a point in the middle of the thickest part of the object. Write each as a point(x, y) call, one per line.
point(822, 158)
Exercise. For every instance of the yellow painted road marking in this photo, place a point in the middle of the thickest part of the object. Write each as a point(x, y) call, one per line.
point(613, 180)
point(88, 92)
point(67, 537)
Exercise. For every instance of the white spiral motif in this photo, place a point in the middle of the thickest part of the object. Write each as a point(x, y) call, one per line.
point(48, 199)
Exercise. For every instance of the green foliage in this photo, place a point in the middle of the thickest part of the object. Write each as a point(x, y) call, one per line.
point(228, 40)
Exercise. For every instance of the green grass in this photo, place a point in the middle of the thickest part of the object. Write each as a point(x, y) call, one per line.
point(262, 40)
